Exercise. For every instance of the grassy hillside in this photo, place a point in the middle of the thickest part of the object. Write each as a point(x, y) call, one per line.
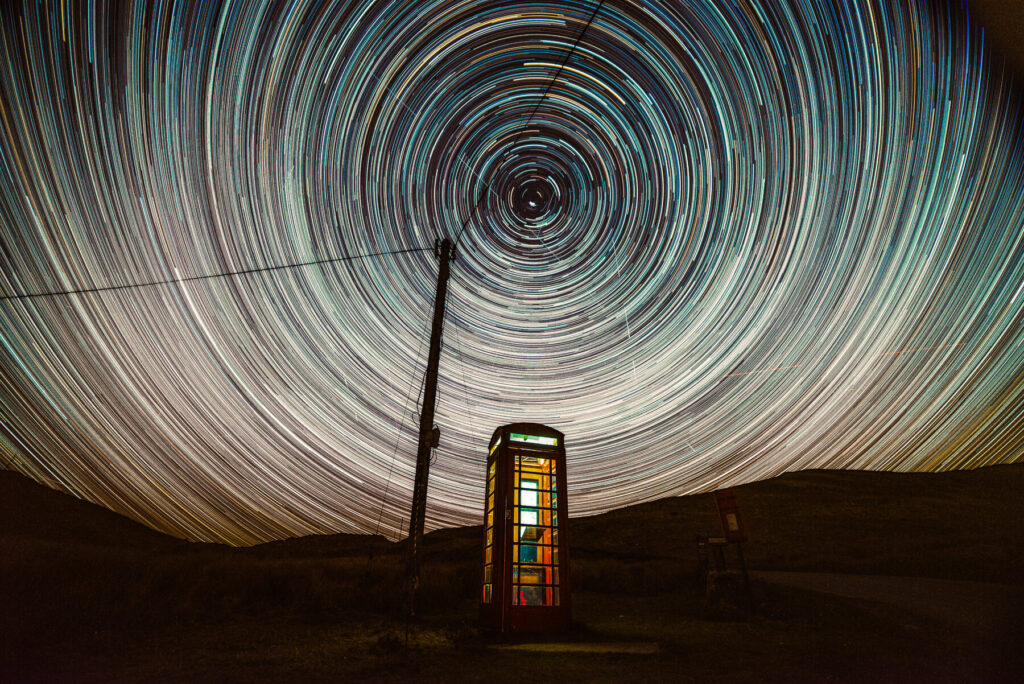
point(76, 575)
point(957, 525)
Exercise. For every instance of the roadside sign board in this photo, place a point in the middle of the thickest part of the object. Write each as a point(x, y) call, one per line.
point(729, 512)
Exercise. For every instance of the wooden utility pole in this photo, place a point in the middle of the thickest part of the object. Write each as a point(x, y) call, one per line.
point(428, 437)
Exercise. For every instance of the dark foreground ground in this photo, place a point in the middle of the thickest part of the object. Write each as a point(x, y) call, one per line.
point(857, 577)
point(798, 637)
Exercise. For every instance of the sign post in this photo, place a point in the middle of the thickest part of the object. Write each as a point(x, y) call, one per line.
point(735, 532)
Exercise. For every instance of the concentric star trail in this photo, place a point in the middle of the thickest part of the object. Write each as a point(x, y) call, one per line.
point(710, 242)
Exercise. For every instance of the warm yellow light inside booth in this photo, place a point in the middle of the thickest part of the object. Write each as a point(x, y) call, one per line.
point(489, 536)
point(535, 535)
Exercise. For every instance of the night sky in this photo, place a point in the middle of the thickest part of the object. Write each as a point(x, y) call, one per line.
point(721, 241)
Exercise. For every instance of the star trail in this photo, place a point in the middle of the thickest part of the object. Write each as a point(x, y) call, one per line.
point(709, 241)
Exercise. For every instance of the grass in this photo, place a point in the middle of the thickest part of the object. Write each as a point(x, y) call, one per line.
point(80, 606)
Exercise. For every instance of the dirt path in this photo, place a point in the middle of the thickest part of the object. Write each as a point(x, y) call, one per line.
point(984, 608)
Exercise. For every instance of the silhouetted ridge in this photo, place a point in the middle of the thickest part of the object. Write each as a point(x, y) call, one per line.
point(958, 524)
point(33, 511)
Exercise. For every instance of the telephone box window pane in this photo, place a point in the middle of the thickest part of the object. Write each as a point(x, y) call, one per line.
point(528, 517)
point(487, 593)
point(487, 573)
point(531, 596)
point(536, 553)
point(530, 574)
point(490, 535)
point(532, 534)
point(554, 596)
point(527, 554)
point(490, 518)
point(528, 494)
point(487, 555)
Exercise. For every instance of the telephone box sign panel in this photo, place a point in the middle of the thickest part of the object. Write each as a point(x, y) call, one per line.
point(729, 512)
point(533, 439)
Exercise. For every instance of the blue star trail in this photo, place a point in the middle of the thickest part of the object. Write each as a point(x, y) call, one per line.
point(719, 241)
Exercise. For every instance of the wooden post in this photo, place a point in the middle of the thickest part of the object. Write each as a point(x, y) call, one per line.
point(428, 436)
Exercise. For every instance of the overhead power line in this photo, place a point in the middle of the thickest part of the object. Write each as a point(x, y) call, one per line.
point(264, 269)
point(226, 274)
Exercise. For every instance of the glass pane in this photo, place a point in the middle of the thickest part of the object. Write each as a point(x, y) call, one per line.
point(487, 573)
point(528, 493)
point(531, 596)
point(546, 517)
point(528, 554)
point(528, 517)
point(487, 554)
point(487, 593)
point(535, 465)
point(530, 574)
point(490, 536)
point(554, 597)
point(549, 555)
point(490, 518)
point(532, 534)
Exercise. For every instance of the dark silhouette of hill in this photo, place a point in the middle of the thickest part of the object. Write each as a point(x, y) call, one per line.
point(79, 579)
point(33, 511)
point(961, 524)
point(956, 525)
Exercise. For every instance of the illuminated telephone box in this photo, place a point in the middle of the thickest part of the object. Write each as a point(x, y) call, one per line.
point(526, 550)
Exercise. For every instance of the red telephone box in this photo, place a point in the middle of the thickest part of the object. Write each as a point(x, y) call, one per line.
point(526, 550)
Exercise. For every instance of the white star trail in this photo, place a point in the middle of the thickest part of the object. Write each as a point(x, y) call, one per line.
point(717, 242)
